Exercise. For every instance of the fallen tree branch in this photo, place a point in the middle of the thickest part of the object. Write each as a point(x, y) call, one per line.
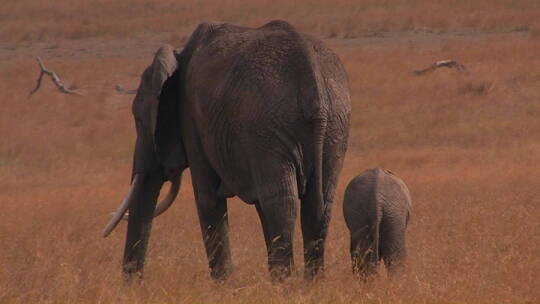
point(61, 87)
point(121, 90)
point(448, 63)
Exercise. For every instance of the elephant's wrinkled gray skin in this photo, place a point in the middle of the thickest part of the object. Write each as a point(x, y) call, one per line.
point(262, 114)
point(376, 207)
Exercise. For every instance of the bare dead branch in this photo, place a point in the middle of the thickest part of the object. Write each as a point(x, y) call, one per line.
point(448, 63)
point(61, 87)
point(121, 90)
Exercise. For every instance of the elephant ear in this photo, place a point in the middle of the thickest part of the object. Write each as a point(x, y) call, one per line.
point(167, 131)
point(156, 111)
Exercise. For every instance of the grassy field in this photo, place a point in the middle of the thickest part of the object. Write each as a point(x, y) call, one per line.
point(466, 143)
point(342, 18)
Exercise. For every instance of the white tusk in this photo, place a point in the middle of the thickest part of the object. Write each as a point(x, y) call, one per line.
point(166, 202)
point(169, 199)
point(117, 216)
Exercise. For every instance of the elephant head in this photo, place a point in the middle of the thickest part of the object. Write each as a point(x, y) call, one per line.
point(159, 153)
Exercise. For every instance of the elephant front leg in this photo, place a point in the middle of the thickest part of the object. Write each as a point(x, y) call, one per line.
point(278, 215)
point(139, 225)
point(215, 230)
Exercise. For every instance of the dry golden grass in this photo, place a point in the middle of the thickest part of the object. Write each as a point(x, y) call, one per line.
point(48, 20)
point(468, 146)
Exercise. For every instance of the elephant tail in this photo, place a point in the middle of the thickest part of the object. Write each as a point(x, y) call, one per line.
point(373, 257)
point(375, 245)
point(319, 133)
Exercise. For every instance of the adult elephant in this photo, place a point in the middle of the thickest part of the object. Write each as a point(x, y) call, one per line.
point(262, 114)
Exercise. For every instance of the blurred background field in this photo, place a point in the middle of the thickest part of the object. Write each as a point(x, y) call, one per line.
point(466, 143)
point(33, 20)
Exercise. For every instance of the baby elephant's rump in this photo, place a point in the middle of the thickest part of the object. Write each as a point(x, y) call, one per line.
point(376, 208)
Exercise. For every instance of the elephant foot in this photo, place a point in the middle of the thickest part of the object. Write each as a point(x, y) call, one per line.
point(314, 259)
point(131, 273)
point(313, 273)
point(280, 259)
point(278, 274)
point(395, 269)
point(364, 271)
point(221, 274)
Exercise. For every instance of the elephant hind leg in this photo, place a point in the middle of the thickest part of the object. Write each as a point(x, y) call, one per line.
point(276, 207)
point(278, 215)
point(364, 252)
point(315, 215)
point(392, 247)
point(314, 231)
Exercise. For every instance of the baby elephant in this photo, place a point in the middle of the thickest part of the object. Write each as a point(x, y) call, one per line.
point(376, 208)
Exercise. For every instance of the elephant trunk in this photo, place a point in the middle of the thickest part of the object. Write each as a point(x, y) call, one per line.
point(123, 214)
point(166, 202)
point(128, 201)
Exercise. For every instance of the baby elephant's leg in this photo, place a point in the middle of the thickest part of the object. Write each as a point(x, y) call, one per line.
point(364, 252)
point(392, 245)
